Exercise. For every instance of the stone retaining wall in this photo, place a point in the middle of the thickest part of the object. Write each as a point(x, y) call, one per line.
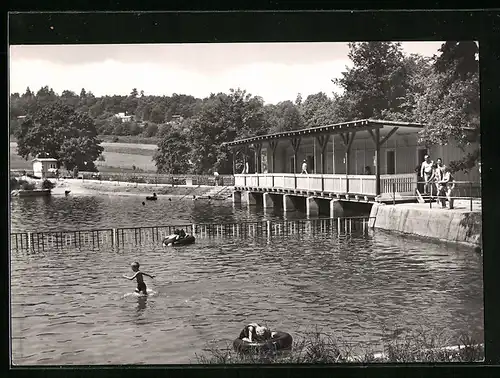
point(451, 226)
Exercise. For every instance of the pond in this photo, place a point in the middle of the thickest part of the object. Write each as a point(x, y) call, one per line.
point(71, 306)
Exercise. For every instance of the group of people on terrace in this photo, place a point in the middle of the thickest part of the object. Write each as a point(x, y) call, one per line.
point(438, 181)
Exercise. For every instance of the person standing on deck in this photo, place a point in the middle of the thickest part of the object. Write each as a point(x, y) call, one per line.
point(304, 167)
point(426, 172)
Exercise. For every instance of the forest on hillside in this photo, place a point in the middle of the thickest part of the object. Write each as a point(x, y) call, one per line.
point(383, 83)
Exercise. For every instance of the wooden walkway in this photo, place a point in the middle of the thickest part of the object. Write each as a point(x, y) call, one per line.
point(46, 240)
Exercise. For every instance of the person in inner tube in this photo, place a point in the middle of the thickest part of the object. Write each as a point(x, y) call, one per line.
point(255, 333)
point(180, 234)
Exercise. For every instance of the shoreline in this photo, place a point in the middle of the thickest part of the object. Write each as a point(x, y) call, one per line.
point(119, 188)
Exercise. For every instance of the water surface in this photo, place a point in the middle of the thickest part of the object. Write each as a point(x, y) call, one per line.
point(70, 306)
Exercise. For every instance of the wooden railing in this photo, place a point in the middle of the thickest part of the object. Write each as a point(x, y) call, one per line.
point(47, 240)
point(333, 183)
point(405, 184)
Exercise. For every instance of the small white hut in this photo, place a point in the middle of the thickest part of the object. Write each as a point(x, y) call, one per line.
point(44, 167)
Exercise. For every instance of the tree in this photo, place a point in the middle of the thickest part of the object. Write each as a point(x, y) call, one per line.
point(70, 98)
point(59, 131)
point(133, 128)
point(450, 104)
point(283, 116)
point(376, 82)
point(298, 100)
point(150, 130)
point(223, 118)
point(173, 153)
point(317, 110)
point(119, 127)
point(157, 114)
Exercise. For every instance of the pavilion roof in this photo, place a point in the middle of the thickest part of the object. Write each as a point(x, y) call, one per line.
point(336, 128)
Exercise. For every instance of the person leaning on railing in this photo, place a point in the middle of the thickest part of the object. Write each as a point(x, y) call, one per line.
point(447, 185)
point(436, 176)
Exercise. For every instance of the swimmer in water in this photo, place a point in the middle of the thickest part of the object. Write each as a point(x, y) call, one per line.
point(141, 285)
point(143, 203)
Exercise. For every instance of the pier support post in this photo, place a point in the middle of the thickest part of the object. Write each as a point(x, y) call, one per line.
point(250, 198)
point(336, 209)
point(312, 207)
point(288, 204)
point(236, 197)
point(114, 236)
point(268, 200)
point(30, 240)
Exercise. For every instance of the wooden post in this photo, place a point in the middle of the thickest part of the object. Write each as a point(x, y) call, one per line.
point(29, 241)
point(376, 139)
point(295, 146)
point(233, 151)
point(258, 149)
point(348, 139)
point(114, 237)
point(273, 144)
point(377, 159)
point(245, 157)
point(323, 142)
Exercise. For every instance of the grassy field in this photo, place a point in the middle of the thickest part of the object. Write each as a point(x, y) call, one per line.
point(128, 139)
point(118, 157)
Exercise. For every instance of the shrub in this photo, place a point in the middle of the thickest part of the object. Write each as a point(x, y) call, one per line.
point(47, 184)
point(27, 185)
point(137, 179)
point(14, 184)
point(101, 158)
point(318, 348)
point(116, 139)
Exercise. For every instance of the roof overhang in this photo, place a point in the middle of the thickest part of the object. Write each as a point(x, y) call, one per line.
point(43, 159)
point(338, 128)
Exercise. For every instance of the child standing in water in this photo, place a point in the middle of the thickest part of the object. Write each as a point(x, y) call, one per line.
point(141, 285)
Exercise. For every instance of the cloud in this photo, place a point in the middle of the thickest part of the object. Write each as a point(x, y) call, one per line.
point(274, 71)
point(273, 82)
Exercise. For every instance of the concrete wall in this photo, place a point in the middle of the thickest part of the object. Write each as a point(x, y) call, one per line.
point(451, 226)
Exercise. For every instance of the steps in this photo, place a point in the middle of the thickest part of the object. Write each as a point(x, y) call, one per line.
point(218, 193)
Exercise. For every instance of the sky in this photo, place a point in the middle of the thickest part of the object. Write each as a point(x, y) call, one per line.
point(275, 71)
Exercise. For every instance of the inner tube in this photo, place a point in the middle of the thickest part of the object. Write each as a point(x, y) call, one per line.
point(169, 241)
point(151, 198)
point(279, 341)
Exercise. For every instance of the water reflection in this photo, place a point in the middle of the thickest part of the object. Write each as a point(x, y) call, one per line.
point(93, 212)
point(141, 304)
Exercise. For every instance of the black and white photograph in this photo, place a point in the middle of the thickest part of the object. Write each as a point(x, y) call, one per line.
point(245, 203)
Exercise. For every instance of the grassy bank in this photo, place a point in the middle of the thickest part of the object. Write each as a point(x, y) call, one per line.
point(319, 348)
point(118, 157)
point(129, 139)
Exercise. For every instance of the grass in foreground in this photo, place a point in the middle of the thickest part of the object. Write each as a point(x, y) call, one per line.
point(319, 348)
